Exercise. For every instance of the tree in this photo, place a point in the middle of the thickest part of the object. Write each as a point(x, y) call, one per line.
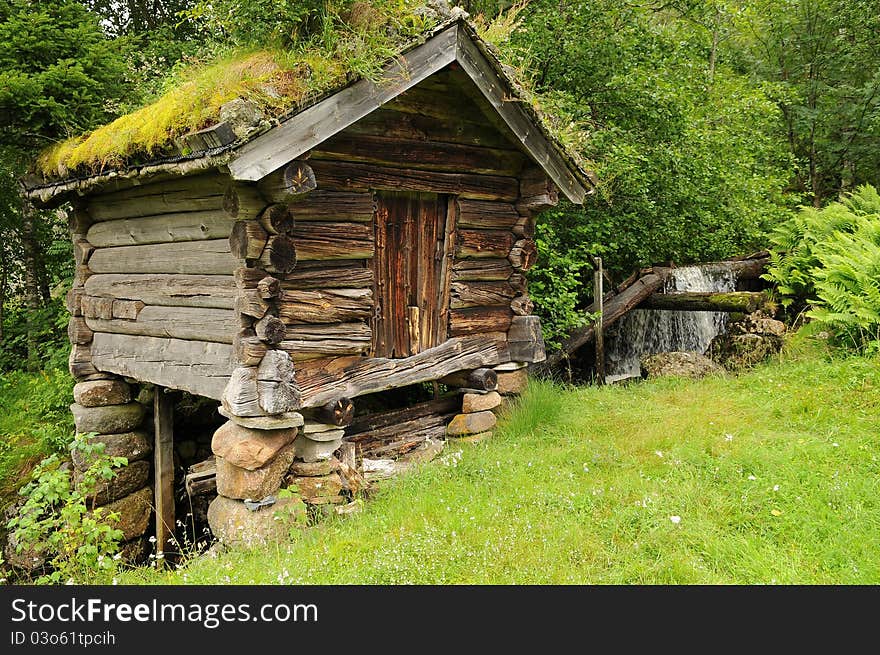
point(57, 72)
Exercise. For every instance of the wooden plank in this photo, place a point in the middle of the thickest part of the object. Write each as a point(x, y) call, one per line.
point(217, 291)
point(309, 341)
point(423, 155)
point(189, 258)
point(164, 228)
point(330, 240)
point(321, 381)
point(477, 294)
point(316, 124)
point(493, 244)
point(199, 367)
point(343, 206)
point(347, 277)
point(481, 269)
point(163, 472)
point(377, 420)
point(487, 215)
point(325, 306)
point(404, 125)
point(526, 129)
point(478, 320)
point(190, 323)
point(346, 176)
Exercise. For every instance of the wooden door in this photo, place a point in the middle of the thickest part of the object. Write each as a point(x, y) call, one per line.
point(414, 233)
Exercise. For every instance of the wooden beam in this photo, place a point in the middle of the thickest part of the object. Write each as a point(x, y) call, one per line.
point(199, 367)
point(350, 377)
point(189, 258)
point(709, 301)
point(527, 130)
point(163, 471)
point(215, 291)
point(189, 323)
point(312, 126)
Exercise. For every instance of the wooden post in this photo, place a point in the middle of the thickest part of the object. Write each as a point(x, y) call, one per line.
point(163, 469)
point(598, 293)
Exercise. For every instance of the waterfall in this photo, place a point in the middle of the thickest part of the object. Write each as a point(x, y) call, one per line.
point(649, 331)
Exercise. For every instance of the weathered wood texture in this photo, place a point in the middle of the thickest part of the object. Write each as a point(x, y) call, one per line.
point(326, 306)
point(189, 258)
point(324, 380)
point(288, 182)
point(332, 240)
point(189, 323)
point(390, 418)
point(210, 193)
point(484, 243)
point(346, 176)
point(478, 320)
point(199, 367)
point(217, 291)
point(348, 277)
point(481, 270)
point(396, 152)
point(164, 228)
point(485, 215)
point(476, 294)
point(321, 205)
point(163, 470)
point(310, 341)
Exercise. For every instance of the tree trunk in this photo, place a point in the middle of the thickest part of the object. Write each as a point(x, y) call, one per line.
point(31, 281)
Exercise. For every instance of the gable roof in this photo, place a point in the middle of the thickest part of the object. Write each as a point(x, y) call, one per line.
point(251, 159)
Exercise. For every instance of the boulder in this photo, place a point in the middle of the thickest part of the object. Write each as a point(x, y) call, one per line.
point(236, 482)
point(317, 487)
point(465, 424)
point(678, 364)
point(99, 393)
point(512, 383)
point(476, 438)
point(424, 453)
point(479, 402)
point(314, 469)
point(112, 419)
point(249, 449)
point(242, 115)
point(235, 525)
point(322, 435)
point(736, 352)
point(127, 480)
point(131, 445)
point(134, 513)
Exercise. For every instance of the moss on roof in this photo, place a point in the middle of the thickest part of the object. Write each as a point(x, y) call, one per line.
point(349, 47)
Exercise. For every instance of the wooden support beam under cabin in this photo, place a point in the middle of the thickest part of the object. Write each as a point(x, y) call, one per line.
point(378, 420)
point(200, 367)
point(480, 379)
point(163, 470)
point(710, 301)
point(324, 380)
point(339, 412)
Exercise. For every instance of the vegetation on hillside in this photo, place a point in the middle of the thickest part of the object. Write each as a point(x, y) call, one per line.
point(735, 480)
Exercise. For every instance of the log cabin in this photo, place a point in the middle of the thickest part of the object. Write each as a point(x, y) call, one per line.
point(373, 240)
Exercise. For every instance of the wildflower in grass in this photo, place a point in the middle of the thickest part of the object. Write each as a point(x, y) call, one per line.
point(728, 437)
point(659, 453)
point(775, 487)
point(675, 519)
point(776, 512)
point(752, 478)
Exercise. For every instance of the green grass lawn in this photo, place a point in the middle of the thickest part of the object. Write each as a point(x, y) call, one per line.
point(769, 477)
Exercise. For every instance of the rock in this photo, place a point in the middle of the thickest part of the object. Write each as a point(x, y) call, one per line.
point(353, 507)
point(309, 450)
point(311, 427)
point(736, 352)
point(100, 393)
point(112, 419)
point(236, 482)
point(249, 449)
point(242, 115)
point(276, 422)
point(767, 326)
point(147, 395)
point(464, 424)
point(352, 480)
point(322, 435)
point(512, 382)
point(131, 445)
point(680, 364)
point(326, 500)
point(379, 469)
point(314, 469)
point(510, 366)
point(134, 513)
point(475, 438)
point(127, 480)
point(479, 402)
point(316, 487)
point(235, 525)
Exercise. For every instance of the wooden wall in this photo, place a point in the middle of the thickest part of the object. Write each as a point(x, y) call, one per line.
point(173, 278)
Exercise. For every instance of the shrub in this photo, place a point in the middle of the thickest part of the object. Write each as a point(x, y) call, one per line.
point(57, 522)
point(827, 262)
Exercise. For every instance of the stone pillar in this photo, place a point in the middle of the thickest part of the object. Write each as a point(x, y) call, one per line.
point(105, 407)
